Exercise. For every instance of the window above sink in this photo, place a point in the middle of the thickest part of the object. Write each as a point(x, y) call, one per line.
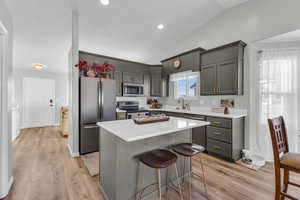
point(186, 84)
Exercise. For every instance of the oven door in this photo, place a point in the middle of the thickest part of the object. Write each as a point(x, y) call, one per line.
point(133, 90)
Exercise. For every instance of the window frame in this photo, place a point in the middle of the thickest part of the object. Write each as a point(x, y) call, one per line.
point(186, 76)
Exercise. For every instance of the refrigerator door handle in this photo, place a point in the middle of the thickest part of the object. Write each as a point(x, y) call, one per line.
point(99, 100)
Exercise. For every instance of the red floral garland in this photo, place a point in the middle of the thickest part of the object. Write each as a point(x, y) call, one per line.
point(94, 66)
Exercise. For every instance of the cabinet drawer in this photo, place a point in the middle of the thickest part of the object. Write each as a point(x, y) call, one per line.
point(222, 134)
point(219, 122)
point(220, 148)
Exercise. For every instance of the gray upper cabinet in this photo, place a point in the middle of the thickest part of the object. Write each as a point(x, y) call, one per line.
point(222, 70)
point(227, 77)
point(189, 61)
point(147, 84)
point(119, 80)
point(156, 81)
point(209, 77)
point(155, 85)
point(131, 77)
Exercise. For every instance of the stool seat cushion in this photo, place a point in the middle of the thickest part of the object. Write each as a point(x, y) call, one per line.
point(188, 149)
point(159, 158)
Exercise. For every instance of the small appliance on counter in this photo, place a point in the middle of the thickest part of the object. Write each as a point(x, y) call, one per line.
point(132, 109)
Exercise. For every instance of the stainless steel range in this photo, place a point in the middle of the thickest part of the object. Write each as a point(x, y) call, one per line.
point(132, 109)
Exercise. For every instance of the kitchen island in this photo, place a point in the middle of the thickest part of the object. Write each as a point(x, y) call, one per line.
point(121, 142)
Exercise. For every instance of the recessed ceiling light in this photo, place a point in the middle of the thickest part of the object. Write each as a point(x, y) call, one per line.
point(105, 2)
point(160, 26)
point(38, 66)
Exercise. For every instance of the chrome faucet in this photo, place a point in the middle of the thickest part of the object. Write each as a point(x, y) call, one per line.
point(181, 101)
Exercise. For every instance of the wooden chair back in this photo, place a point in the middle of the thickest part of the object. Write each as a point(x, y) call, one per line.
point(279, 137)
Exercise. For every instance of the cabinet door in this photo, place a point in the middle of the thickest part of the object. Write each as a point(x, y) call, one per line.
point(131, 77)
point(128, 77)
point(190, 61)
point(165, 86)
point(227, 77)
point(139, 78)
point(156, 85)
point(208, 77)
point(199, 136)
point(119, 80)
point(147, 84)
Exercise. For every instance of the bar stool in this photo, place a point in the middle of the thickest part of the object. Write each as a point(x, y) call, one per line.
point(188, 150)
point(158, 159)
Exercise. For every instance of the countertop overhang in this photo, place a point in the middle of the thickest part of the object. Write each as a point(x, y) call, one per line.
point(128, 131)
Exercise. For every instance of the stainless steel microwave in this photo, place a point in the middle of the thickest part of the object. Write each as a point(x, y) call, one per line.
point(133, 90)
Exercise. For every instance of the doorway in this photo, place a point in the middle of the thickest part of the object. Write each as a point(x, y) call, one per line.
point(38, 102)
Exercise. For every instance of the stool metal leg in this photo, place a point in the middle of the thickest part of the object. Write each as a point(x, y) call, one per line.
point(140, 184)
point(178, 182)
point(159, 183)
point(204, 179)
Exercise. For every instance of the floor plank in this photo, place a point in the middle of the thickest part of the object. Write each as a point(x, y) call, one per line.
point(44, 170)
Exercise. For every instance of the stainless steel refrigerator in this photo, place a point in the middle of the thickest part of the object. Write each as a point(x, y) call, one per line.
point(97, 103)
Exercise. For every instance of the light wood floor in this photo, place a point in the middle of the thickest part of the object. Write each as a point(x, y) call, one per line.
point(44, 170)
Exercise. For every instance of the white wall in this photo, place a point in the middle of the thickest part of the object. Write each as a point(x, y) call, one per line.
point(250, 22)
point(61, 88)
point(6, 96)
point(74, 84)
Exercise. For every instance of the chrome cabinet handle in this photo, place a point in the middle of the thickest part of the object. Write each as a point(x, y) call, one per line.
point(216, 122)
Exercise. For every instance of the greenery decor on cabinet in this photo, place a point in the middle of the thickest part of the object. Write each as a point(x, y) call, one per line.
point(95, 69)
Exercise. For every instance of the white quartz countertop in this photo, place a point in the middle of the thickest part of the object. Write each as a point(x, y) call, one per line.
point(128, 131)
point(204, 111)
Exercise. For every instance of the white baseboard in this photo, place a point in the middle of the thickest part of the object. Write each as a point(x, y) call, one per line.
point(11, 181)
point(76, 154)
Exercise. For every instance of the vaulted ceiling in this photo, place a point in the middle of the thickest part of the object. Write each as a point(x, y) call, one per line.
point(124, 29)
point(127, 28)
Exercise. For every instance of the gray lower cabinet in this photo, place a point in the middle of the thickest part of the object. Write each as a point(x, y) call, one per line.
point(131, 77)
point(225, 137)
point(89, 139)
point(199, 136)
point(119, 79)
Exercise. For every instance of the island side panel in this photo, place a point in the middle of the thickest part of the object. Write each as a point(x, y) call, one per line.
point(108, 163)
point(128, 168)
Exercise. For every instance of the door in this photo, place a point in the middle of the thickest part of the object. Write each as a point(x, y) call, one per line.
point(227, 76)
point(208, 79)
point(38, 102)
